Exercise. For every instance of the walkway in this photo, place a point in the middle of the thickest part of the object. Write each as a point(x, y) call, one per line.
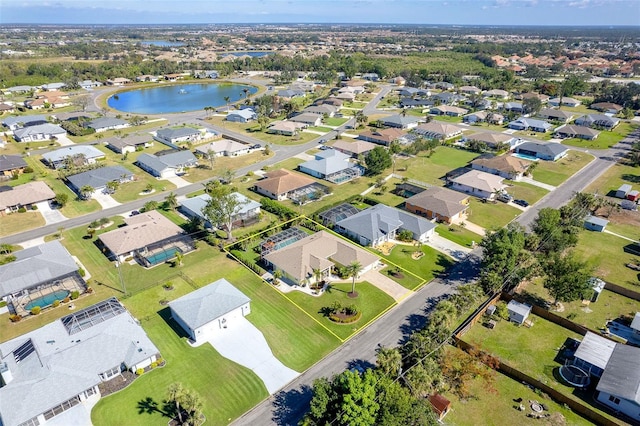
point(606, 231)
point(448, 247)
point(243, 343)
point(385, 284)
point(530, 181)
point(474, 228)
point(50, 215)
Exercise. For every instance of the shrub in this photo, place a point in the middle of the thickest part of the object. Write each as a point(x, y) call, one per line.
point(75, 294)
point(66, 300)
point(502, 311)
point(3, 303)
point(82, 272)
point(34, 207)
point(7, 259)
point(405, 235)
point(56, 303)
point(28, 169)
point(35, 310)
point(154, 364)
point(89, 290)
point(159, 360)
point(140, 371)
point(15, 318)
point(22, 210)
point(278, 209)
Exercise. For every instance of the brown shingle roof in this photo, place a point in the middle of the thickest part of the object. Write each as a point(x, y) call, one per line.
point(442, 201)
point(29, 193)
point(504, 163)
point(283, 181)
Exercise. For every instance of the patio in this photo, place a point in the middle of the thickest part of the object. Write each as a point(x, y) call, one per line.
point(45, 295)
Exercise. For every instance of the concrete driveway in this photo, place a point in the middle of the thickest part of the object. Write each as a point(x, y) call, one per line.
point(448, 247)
point(178, 181)
point(63, 140)
point(385, 284)
point(106, 201)
point(243, 343)
point(50, 215)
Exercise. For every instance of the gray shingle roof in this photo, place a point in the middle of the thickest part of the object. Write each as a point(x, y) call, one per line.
point(621, 376)
point(24, 119)
point(69, 151)
point(98, 178)
point(551, 149)
point(173, 160)
point(104, 122)
point(196, 204)
point(208, 303)
point(46, 129)
point(36, 265)
point(399, 121)
point(11, 162)
point(181, 132)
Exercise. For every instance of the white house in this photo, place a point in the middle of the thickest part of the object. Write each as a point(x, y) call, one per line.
point(479, 184)
point(177, 135)
point(241, 116)
point(209, 310)
point(38, 132)
point(223, 147)
point(518, 312)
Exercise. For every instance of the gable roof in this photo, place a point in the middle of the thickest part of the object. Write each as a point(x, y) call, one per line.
point(141, 230)
point(87, 151)
point(28, 193)
point(599, 119)
point(503, 163)
point(573, 129)
point(594, 349)
point(442, 201)
point(104, 122)
point(318, 251)
point(35, 265)
point(11, 162)
point(283, 181)
point(98, 178)
point(175, 159)
point(180, 132)
point(212, 301)
point(519, 308)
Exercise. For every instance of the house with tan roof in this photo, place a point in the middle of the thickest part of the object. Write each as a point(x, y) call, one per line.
point(483, 116)
point(575, 131)
point(506, 166)
point(493, 139)
point(439, 130)
point(322, 251)
point(441, 204)
point(224, 148)
point(479, 184)
point(355, 148)
point(382, 136)
point(279, 184)
point(286, 128)
point(25, 195)
point(148, 237)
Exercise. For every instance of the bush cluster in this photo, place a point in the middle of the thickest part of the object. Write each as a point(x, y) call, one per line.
point(75, 294)
point(278, 209)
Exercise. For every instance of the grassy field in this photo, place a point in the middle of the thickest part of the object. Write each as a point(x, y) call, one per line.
point(221, 164)
point(473, 411)
point(554, 173)
point(432, 169)
point(370, 301)
point(615, 176)
point(252, 129)
point(606, 139)
point(127, 130)
point(526, 191)
point(531, 350)
point(490, 215)
point(605, 253)
point(432, 264)
point(335, 121)
point(458, 234)
point(19, 222)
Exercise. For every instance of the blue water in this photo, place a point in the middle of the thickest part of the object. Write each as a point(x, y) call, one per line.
point(178, 97)
point(163, 256)
point(252, 54)
point(525, 157)
point(162, 43)
point(47, 300)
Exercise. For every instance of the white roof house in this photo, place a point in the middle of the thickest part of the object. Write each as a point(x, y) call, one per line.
point(518, 312)
point(192, 207)
point(479, 184)
point(89, 154)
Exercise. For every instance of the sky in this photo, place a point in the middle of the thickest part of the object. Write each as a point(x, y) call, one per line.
point(442, 12)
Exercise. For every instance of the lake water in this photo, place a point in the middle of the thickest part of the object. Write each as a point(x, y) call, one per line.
point(178, 97)
point(162, 43)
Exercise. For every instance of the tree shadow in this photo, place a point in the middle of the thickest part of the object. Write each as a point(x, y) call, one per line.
point(149, 406)
point(533, 299)
point(165, 314)
point(290, 406)
point(360, 365)
point(412, 323)
point(631, 178)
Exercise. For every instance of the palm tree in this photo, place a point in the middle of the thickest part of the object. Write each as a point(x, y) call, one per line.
point(354, 270)
point(246, 94)
point(211, 156)
point(86, 191)
point(6, 248)
point(175, 392)
point(277, 275)
point(227, 99)
point(171, 200)
point(179, 258)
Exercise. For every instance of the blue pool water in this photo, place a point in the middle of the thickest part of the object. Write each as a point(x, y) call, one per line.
point(525, 157)
point(163, 255)
point(47, 300)
point(178, 97)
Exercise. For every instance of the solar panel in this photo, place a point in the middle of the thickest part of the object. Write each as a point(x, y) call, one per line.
point(24, 351)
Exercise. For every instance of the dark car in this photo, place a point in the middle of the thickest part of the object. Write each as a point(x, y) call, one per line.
point(135, 213)
point(522, 203)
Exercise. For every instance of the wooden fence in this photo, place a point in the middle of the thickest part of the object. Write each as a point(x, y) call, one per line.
point(631, 294)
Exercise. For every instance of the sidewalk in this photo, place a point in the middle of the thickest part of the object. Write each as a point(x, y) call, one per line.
point(474, 228)
point(529, 180)
point(620, 236)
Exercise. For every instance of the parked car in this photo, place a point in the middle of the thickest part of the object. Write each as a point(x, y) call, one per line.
point(323, 141)
point(505, 197)
point(522, 203)
point(135, 213)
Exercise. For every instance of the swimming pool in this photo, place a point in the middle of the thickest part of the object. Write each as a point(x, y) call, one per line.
point(526, 157)
point(163, 256)
point(46, 300)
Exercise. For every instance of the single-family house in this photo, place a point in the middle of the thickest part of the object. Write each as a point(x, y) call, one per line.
point(280, 184)
point(353, 148)
point(574, 131)
point(526, 123)
point(89, 84)
point(241, 115)
point(178, 135)
point(167, 165)
point(129, 144)
point(515, 107)
point(441, 204)
point(505, 166)
point(469, 90)
point(598, 121)
point(322, 110)
point(11, 165)
point(207, 311)
point(556, 115)
point(619, 385)
point(412, 92)
point(321, 251)
point(332, 165)
point(99, 178)
point(291, 93)
point(223, 148)
point(438, 130)
point(14, 123)
point(38, 132)
point(623, 191)
point(286, 128)
point(448, 98)
point(36, 268)
point(53, 86)
point(594, 223)
point(246, 212)
point(566, 101)
point(371, 76)
point(479, 184)
point(148, 237)
point(6, 108)
point(606, 107)
point(25, 195)
point(381, 223)
point(206, 74)
point(543, 98)
point(448, 110)
point(330, 101)
point(103, 124)
point(518, 312)
point(75, 155)
point(308, 118)
point(145, 78)
point(69, 359)
point(494, 139)
point(346, 96)
point(401, 122)
point(118, 81)
point(483, 116)
point(416, 103)
point(382, 136)
point(443, 85)
point(496, 94)
point(543, 151)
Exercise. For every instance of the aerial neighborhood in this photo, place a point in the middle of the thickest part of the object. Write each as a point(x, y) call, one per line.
point(319, 225)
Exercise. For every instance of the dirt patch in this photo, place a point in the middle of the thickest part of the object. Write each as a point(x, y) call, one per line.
point(385, 248)
point(623, 217)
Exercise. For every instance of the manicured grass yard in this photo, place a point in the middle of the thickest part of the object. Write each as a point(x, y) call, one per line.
point(335, 121)
point(427, 267)
point(490, 215)
point(605, 253)
point(19, 222)
point(530, 350)
point(615, 176)
point(606, 139)
point(370, 302)
point(432, 169)
point(526, 191)
point(554, 173)
point(474, 411)
point(320, 129)
point(458, 234)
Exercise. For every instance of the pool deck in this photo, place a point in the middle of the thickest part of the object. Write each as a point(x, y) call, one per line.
point(69, 284)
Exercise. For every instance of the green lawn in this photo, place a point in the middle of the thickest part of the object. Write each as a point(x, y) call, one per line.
point(458, 235)
point(447, 119)
point(19, 222)
point(481, 127)
point(615, 176)
point(473, 411)
point(606, 139)
point(526, 191)
point(429, 266)
point(370, 301)
point(131, 191)
point(554, 173)
point(490, 215)
point(253, 129)
point(126, 131)
point(221, 164)
point(432, 169)
point(335, 121)
point(530, 350)
point(605, 253)
point(536, 135)
point(320, 129)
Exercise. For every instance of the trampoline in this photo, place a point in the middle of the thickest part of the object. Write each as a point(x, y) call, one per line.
point(574, 376)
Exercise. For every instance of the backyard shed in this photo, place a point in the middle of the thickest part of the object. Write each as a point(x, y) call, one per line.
point(441, 405)
point(594, 223)
point(623, 191)
point(518, 312)
point(633, 195)
point(597, 285)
